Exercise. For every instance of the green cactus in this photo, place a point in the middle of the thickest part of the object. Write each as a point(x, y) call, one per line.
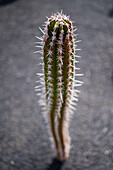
point(58, 79)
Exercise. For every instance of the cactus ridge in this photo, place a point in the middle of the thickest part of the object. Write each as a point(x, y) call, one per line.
point(58, 78)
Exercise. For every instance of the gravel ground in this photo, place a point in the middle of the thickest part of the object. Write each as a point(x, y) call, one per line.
point(24, 142)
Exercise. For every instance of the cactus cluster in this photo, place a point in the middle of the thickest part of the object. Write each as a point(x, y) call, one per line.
point(58, 78)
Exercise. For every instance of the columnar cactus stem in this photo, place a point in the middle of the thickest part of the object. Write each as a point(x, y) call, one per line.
point(58, 54)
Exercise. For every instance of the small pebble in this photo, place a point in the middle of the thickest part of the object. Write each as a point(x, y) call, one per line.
point(101, 91)
point(19, 74)
point(106, 152)
point(88, 73)
point(85, 153)
point(105, 129)
point(12, 162)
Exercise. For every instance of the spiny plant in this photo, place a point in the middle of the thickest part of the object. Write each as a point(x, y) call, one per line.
point(58, 84)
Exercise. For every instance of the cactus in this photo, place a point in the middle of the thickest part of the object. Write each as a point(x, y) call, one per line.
point(58, 79)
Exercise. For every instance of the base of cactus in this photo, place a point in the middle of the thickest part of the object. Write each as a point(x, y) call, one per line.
point(64, 158)
point(63, 152)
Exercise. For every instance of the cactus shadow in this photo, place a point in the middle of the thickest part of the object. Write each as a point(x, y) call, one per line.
point(110, 14)
point(55, 165)
point(6, 2)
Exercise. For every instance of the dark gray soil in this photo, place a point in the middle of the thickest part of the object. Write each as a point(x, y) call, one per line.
point(24, 141)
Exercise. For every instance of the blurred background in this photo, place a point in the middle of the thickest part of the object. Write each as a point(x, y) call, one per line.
point(24, 141)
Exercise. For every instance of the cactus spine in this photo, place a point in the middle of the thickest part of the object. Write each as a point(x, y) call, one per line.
point(59, 78)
